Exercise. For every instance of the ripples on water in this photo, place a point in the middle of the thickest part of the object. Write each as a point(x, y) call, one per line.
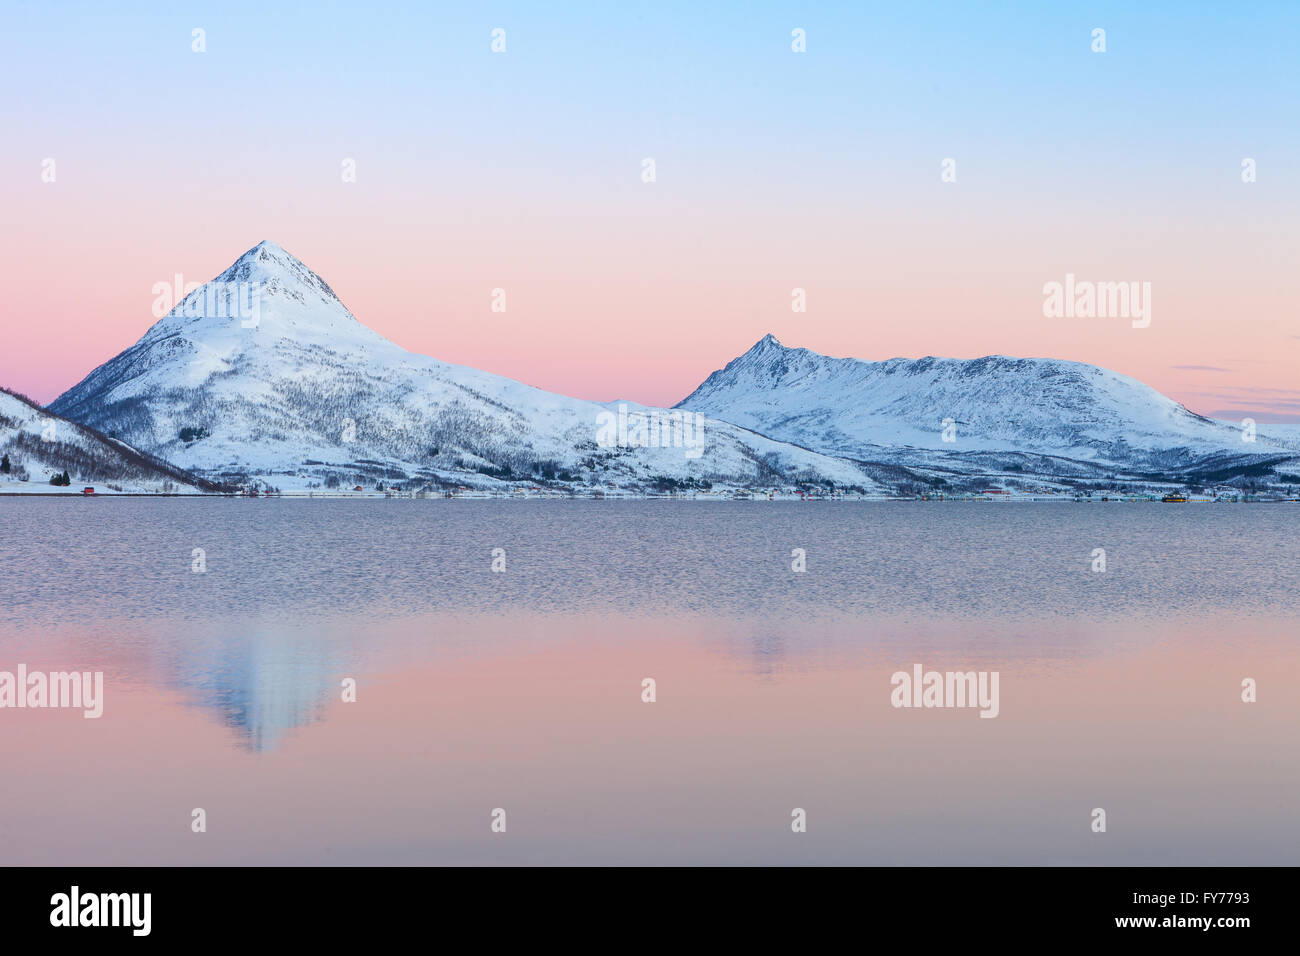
point(84, 561)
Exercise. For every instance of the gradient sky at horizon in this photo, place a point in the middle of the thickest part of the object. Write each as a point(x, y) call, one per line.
point(775, 170)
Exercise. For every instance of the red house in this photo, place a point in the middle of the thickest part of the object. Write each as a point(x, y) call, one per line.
point(87, 491)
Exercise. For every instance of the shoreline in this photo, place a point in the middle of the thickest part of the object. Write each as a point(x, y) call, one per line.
point(867, 499)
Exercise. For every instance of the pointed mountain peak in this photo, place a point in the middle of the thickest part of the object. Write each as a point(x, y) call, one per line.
point(768, 348)
point(766, 360)
point(278, 272)
point(266, 289)
point(768, 352)
point(267, 255)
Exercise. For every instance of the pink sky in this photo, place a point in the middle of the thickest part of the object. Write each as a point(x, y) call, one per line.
point(642, 294)
point(774, 170)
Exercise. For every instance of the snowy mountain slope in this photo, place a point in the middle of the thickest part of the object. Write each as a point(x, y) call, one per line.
point(295, 392)
point(39, 445)
point(889, 410)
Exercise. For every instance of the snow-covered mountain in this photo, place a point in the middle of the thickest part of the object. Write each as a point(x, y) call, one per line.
point(36, 445)
point(264, 376)
point(896, 410)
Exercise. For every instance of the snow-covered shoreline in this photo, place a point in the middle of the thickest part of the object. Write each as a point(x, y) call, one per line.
point(727, 496)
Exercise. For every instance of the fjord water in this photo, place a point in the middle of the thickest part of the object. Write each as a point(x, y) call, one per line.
point(522, 690)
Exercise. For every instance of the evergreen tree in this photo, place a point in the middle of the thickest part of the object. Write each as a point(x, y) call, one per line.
point(4, 465)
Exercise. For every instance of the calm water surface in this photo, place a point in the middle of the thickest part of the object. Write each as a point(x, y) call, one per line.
point(522, 690)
